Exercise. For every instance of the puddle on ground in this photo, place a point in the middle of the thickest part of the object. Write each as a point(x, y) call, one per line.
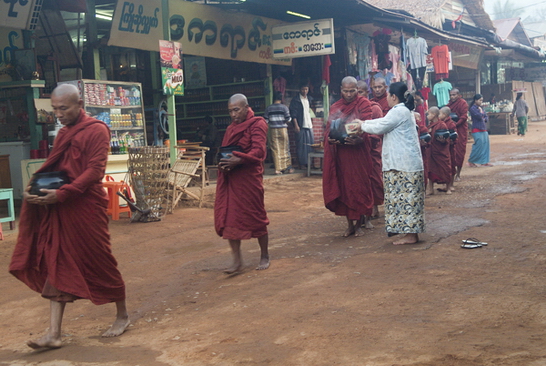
point(440, 225)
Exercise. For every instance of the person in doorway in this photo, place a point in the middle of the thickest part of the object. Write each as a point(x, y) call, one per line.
point(521, 110)
point(480, 149)
point(347, 169)
point(277, 117)
point(380, 94)
point(402, 166)
point(300, 107)
point(63, 249)
point(239, 209)
point(459, 115)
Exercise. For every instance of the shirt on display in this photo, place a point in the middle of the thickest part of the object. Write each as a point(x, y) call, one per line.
point(416, 52)
point(441, 92)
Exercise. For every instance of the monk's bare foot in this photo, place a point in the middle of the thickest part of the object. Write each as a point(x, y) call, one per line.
point(235, 268)
point(457, 178)
point(448, 192)
point(359, 232)
point(368, 224)
point(407, 239)
point(348, 232)
point(47, 341)
point(264, 264)
point(117, 329)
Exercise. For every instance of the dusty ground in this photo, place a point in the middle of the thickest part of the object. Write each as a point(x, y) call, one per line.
point(326, 300)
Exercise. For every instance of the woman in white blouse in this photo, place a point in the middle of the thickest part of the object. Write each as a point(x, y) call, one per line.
point(403, 177)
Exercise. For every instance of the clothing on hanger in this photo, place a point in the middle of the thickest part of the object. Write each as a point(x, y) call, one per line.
point(440, 58)
point(441, 92)
point(416, 52)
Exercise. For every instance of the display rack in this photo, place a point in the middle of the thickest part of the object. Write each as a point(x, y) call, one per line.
point(196, 104)
point(119, 105)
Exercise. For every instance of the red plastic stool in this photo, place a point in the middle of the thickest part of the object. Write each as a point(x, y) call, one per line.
point(114, 208)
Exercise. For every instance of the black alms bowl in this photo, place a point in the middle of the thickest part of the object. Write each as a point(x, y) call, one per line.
point(442, 133)
point(47, 180)
point(425, 136)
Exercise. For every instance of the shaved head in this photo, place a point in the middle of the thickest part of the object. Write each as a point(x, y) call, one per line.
point(238, 108)
point(238, 99)
point(348, 80)
point(381, 81)
point(445, 110)
point(69, 91)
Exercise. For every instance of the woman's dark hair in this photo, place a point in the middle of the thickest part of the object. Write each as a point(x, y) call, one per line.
point(475, 98)
point(401, 91)
point(518, 96)
point(277, 96)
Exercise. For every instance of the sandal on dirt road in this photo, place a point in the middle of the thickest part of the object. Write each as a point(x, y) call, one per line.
point(474, 241)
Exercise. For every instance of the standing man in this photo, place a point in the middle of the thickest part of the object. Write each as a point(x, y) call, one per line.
point(521, 110)
point(239, 210)
point(346, 184)
point(380, 94)
point(277, 116)
point(63, 249)
point(303, 127)
point(459, 115)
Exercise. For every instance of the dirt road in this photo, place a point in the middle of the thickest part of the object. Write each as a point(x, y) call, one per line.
point(326, 300)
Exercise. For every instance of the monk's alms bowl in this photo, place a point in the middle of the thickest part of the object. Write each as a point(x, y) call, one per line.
point(47, 180)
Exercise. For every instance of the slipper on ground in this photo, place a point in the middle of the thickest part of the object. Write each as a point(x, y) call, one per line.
point(470, 246)
point(474, 241)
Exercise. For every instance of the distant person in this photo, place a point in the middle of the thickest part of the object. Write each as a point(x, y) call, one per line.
point(521, 110)
point(380, 94)
point(480, 149)
point(277, 117)
point(63, 249)
point(459, 115)
point(239, 209)
point(300, 107)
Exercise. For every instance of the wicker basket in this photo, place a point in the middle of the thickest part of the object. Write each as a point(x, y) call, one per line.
point(148, 168)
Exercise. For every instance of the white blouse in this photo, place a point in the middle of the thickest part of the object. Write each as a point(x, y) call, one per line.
point(401, 149)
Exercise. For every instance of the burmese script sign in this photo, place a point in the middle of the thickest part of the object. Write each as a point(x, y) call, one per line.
point(21, 14)
point(204, 30)
point(10, 40)
point(302, 39)
point(137, 24)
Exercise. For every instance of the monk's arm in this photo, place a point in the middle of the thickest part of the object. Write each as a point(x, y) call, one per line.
point(96, 149)
point(463, 116)
point(257, 151)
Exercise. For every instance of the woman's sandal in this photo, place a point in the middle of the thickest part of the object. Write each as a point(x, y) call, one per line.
point(474, 241)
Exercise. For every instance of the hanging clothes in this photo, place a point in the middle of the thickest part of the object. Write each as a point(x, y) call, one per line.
point(416, 52)
point(362, 42)
point(394, 57)
point(440, 57)
point(441, 92)
point(425, 91)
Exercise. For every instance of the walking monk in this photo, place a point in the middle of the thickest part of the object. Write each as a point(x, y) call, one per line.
point(347, 164)
point(439, 160)
point(239, 210)
point(63, 249)
point(459, 107)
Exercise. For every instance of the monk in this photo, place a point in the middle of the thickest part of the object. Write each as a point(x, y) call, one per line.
point(63, 249)
point(459, 106)
point(347, 163)
point(445, 113)
point(439, 169)
point(380, 94)
point(376, 143)
point(239, 210)
point(423, 129)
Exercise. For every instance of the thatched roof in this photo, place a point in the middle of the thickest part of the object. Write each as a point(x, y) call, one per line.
point(430, 11)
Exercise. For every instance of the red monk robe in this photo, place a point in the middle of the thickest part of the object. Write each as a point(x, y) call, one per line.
point(377, 173)
point(347, 168)
point(383, 102)
point(439, 168)
point(239, 209)
point(425, 146)
point(68, 243)
point(460, 108)
point(451, 127)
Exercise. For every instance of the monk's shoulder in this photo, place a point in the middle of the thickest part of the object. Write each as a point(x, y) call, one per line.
point(260, 124)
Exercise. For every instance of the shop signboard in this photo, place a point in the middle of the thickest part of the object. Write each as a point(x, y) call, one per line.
point(303, 39)
point(10, 40)
point(137, 24)
point(465, 55)
point(170, 54)
point(20, 14)
point(203, 30)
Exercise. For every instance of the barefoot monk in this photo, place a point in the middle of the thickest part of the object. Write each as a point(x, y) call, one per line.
point(63, 249)
point(239, 210)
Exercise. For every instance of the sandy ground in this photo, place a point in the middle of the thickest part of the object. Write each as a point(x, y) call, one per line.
point(326, 300)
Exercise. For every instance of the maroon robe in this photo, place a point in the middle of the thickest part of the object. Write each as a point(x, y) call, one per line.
point(439, 168)
point(460, 108)
point(424, 150)
point(67, 244)
point(239, 209)
point(347, 168)
point(452, 127)
point(377, 173)
point(383, 102)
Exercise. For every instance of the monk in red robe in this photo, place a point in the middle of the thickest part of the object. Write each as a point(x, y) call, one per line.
point(380, 94)
point(63, 249)
point(439, 158)
point(459, 106)
point(239, 210)
point(423, 129)
point(347, 162)
point(376, 143)
point(445, 116)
